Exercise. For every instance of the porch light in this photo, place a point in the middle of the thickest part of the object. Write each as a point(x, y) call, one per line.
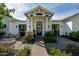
point(29, 26)
point(46, 15)
point(5, 25)
point(48, 26)
point(61, 26)
point(16, 26)
point(31, 15)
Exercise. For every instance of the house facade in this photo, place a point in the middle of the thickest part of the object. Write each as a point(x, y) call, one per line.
point(39, 20)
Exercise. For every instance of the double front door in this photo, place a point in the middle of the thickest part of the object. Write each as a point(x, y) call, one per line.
point(55, 28)
point(22, 29)
point(39, 28)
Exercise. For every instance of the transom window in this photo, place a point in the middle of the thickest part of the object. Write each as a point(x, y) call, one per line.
point(39, 14)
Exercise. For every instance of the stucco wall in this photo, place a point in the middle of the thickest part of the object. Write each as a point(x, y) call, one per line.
point(11, 26)
point(67, 27)
point(75, 23)
point(61, 27)
point(6, 20)
point(14, 27)
point(71, 24)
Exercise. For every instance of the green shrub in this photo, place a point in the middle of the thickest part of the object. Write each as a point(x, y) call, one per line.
point(50, 37)
point(9, 49)
point(28, 38)
point(74, 35)
point(58, 52)
point(23, 52)
point(72, 48)
point(1, 34)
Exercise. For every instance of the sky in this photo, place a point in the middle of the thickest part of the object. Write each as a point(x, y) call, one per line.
point(61, 10)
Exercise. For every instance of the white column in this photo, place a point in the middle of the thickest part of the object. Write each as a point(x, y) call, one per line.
point(46, 23)
point(28, 24)
point(31, 24)
point(50, 24)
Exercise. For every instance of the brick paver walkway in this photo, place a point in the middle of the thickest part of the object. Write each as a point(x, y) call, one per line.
point(38, 48)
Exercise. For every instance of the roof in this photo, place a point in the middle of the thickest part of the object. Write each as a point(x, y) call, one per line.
point(70, 16)
point(16, 20)
point(13, 19)
point(57, 20)
point(38, 7)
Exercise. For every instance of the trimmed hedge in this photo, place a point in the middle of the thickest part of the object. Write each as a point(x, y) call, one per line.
point(23, 52)
point(74, 36)
point(58, 52)
point(1, 34)
point(72, 48)
point(9, 49)
point(28, 38)
point(50, 37)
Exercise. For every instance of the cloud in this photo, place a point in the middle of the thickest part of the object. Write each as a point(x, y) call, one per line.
point(20, 8)
point(61, 10)
point(65, 14)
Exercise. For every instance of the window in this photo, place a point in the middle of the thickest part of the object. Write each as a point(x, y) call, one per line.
point(31, 15)
point(4, 25)
point(39, 14)
point(46, 15)
point(22, 26)
point(16, 26)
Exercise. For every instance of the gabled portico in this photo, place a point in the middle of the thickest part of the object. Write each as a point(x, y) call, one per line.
point(39, 20)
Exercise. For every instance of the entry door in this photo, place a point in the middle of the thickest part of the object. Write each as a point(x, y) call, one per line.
point(55, 28)
point(39, 28)
point(22, 29)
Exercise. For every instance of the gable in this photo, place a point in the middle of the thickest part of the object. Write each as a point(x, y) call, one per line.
point(39, 9)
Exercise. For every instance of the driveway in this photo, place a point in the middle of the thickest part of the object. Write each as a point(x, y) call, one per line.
point(62, 43)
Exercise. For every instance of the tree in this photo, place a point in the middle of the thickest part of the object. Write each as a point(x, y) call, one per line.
point(1, 24)
point(4, 11)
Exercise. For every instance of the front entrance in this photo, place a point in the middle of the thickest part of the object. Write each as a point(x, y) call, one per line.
point(39, 28)
point(55, 28)
point(22, 29)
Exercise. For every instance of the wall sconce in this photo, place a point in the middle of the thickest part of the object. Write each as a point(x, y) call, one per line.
point(29, 26)
point(61, 26)
point(46, 15)
point(48, 26)
point(4, 25)
point(16, 26)
point(31, 15)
